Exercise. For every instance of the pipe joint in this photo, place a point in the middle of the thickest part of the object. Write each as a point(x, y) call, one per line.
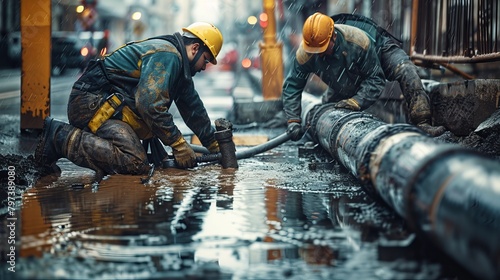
point(367, 145)
point(224, 135)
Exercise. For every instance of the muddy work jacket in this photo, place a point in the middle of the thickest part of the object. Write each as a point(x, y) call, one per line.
point(377, 34)
point(352, 70)
point(387, 46)
point(151, 75)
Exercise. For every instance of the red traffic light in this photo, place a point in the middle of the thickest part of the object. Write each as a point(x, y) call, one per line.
point(263, 20)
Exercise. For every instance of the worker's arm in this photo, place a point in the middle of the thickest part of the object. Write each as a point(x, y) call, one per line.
point(294, 84)
point(373, 79)
point(159, 72)
point(195, 115)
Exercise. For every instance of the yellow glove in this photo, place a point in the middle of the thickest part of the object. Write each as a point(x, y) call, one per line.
point(350, 104)
point(213, 147)
point(183, 153)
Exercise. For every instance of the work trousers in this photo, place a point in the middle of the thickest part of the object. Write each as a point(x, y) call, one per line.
point(114, 149)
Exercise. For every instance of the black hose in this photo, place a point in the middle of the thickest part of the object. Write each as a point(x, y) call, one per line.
point(246, 153)
point(199, 149)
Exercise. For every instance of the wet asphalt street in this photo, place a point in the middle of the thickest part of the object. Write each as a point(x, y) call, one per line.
point(289, 213)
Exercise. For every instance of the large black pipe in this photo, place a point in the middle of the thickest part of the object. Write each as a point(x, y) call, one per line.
point(445, 191)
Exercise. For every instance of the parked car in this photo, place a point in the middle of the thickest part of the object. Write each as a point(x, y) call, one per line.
point(227, 59)
point(14, 49)
point(251, 58)
point(65, 51)
point(93, 45)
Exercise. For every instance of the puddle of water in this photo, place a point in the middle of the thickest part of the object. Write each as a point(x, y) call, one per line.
point(275, 217)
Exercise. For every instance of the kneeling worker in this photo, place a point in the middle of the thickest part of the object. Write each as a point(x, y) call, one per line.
point(125, 98)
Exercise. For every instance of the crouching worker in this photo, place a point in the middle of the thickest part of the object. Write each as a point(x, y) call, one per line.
point(344, 58)
point(125, 98)
point(397, 66)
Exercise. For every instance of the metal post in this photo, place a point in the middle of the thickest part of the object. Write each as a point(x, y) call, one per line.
point(35, 80)
point(414, 22)
point(271, 56)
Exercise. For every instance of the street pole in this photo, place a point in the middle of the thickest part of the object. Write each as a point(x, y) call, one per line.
point(414, 23)
point(271, 56)
point(35, 80)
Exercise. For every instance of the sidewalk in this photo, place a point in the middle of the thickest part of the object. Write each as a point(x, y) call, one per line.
point(7, 72)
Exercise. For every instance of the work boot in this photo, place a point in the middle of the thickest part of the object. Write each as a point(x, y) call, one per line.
point(420, 115)
point(52, 143)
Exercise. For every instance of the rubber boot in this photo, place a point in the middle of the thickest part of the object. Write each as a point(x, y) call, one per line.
point(52, 144)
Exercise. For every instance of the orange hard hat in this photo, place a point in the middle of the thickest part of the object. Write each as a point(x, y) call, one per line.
point(316, 33)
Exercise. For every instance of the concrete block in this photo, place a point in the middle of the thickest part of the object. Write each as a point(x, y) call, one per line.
point(243, 94)
point(255, 111)
point(462, 106)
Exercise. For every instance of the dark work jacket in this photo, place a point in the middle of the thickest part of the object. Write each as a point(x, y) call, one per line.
point(388, 47)
point(152, 74)
point(352, 70)
point(377, 34)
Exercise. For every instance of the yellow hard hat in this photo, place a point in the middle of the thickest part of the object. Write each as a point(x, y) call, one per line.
point(209, 34)
point(316, 33)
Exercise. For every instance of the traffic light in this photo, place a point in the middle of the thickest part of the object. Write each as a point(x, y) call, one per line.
point(263, 20)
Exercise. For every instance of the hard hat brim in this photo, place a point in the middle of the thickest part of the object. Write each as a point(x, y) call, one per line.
point(196, 33)
point(309, 49)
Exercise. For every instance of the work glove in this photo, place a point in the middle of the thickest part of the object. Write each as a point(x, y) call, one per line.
point(213, 148)
point(295, 131)
point(183, 154)
point(433, 131)
point(350, 104)
point(419, 109)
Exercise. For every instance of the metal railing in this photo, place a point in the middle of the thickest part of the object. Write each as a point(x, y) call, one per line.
point(455, 31)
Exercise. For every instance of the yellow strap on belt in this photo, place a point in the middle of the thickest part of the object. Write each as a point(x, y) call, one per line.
point(104, 113)
point(137, 124)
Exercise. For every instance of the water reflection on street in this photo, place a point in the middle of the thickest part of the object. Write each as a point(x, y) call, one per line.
point(277, 216)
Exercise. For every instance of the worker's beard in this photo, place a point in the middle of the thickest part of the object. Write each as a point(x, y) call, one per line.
point(193, 71)
point(192, 64)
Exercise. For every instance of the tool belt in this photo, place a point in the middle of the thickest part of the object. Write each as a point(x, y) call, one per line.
point(109, 108)
point(115, 108)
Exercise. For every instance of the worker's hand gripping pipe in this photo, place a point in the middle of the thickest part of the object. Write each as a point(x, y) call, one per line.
point(228, 155)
